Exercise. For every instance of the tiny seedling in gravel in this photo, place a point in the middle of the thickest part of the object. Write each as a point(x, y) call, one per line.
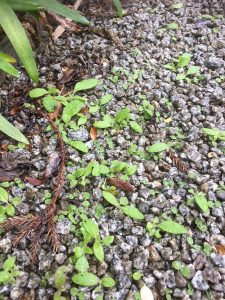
point(9, 271)
point(60, 278)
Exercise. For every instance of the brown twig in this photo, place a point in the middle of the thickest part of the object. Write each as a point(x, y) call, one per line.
point(177, 162)
point(34, 225)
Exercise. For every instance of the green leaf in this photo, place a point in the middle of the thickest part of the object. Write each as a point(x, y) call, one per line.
point(106, 123)
point(132, 212)
point(170, 67)
point(130, 170)
point(172, 227)
point(60, 277)
point(108, 282)
point(173, 26)
point(8, 68)
point(211, 131)
point(122, 115)
point(201, 201)
point(79, 146)
point(12, 131)
point(157, 147)
point(7, 57)
point(85, 279)
point(108, 240)
point(9, 263)
point(185, 271)
point(177, 5)
point(98, 250)
point(18, 38)
point(10, 210)
point(105, 99)
point(78, 252)
point(184, 60)
point(180, 77)
point(86, 84)
point(23, 5)
point(92, 228)
point(72, 109)
point(193, 70)
point(5, 277)
point(82, 264)
point(38, 92)
point(136, 276)
point(4, 196)
point(96, 169)
point(49, 103)
point(118, 7)
point(63, 10)
point(136, 127)
point(109, 197)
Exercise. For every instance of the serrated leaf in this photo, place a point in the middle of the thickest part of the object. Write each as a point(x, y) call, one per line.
point(86, 84)
point(38, 92)
point(105, 123)
point(49, 103)
point(109, 197)
point(170, 67)
point(10, 210)
point(98, 250)
point(79, 146)
point(132, 212)
point(105, 99)
point(12, 131)
point(82, 264)
point(108, 282)
point(180, 77)
point(136, 127)
point(211, 131)
point(85, 279)
point(184, 60)
point(157, 147)
point(201, 201)
point(5, 276)
point(9, 263)
point(3, 195)
point(92, 228)
point(172, 227)
point(72, 109)
point(193, 70)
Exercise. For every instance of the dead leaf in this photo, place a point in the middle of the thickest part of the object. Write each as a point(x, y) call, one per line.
point(93, 133)
point(84, 110)
point(15, 110)
point(34, 181)
point(58, 32)
point(220, 249)
point(122, 184)
point(8, 175)
point(68, 76)
point(54, 115)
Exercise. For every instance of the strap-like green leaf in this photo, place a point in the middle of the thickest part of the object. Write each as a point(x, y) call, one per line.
point(63, 10)
point(18, 38)
point(12, 131)
point(23, 5)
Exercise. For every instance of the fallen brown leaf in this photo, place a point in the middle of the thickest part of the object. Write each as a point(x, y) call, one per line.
point(68, 76)
point(122, 184)
point(54, 115)
point(58, 32)
point(93, 133)
point(34, 181)
point(84, 110)
point(15, 110)
point(220, 249)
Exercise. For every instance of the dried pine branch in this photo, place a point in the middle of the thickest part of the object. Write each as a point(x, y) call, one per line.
point(177, 162)
point(33, 226)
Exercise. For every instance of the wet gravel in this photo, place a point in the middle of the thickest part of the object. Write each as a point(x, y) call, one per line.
point(182, 109)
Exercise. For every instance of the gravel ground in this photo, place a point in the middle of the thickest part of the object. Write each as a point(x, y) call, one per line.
point(173, 266)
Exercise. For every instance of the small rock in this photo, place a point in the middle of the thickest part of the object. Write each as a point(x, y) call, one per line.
point(146, 293)
point(218, 260)
point(141, 260)
point(5, 245)
point(181, 282)
point(214, 63)
point(34, 281)
point(79, 135)
point(63, 227)
point(166, 253)
point(220, 195)
point(199, 261)
point(212, 275)
point(170, 279)
point(60, 258)
point(102, 268)
point(16, 293)
point(199, 282)
point(153, 254)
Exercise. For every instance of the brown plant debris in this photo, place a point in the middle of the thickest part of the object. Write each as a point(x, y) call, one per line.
point(177, 162)
point(33, 226)
point(220, 249)
point(122, 184)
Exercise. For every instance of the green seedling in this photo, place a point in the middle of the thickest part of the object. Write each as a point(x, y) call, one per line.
point(59, 282)
point(168, 226)
point(185, 271)
point(214, 134)
point(9, 271)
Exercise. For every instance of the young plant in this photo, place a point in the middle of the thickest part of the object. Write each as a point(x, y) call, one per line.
point(59, 282)
point(214, 134)
point(9, 271)
point(6, 62)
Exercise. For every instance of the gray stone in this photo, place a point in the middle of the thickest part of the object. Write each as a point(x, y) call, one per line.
point(5, 245)
point(166, 253)
point(170, 279)
point(33, 281)
point(60, 258)
point(214, 63)
point(140, 261)
point(220, 195)
point(199, 282)
point(79, 135)
point(16, 293)
point(218, 260)
point(181, 282)
point(212, 275)
point(63, 227)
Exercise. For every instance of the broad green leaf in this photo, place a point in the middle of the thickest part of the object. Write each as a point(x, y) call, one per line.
point(180, 77)
point(9, 263)
point(172, 227)
point(78, 252)
point(86, 84)
point(105, 99)
point(118, 7)
point(201, 201)
point(122, 115)
point(71, 110)
point(157, 147)
point(49, 103)
point(108, 240)
point(104, 169)
point(136, 275)
point(60, 277)
point(18, 38)
point(79, 146)
point(92, 228)
point(109, 197)
point(132, 212)
point(108, 282)
point(5, 277)
point(56, 7)
point(136, 127)
point(173, 26)
point(10, 210)
point(82, 264)
point(96, 169)
point(12, 131)
point(131, 169)
point(85, 279)
point(184, 60)
point(98, 250)
point(211, 131)
point(185, 271)
point(7, 57)
point(8, 68)
point(193, 70)
point(105, 123)
point(170, 67)
point(38, 92)
point(58, 296)
point(177, 5)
